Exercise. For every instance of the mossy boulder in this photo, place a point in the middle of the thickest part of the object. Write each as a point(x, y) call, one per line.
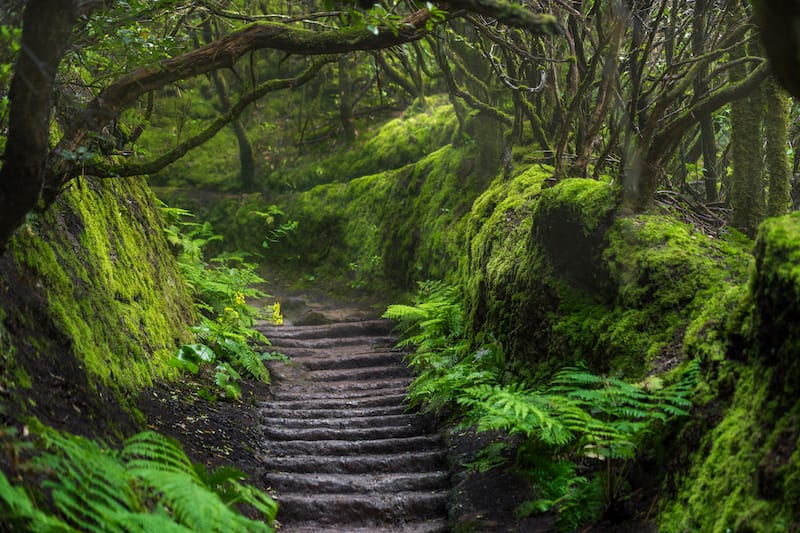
point(559, 276)
point(776, 293)
point(744, 473)
point(93, 305)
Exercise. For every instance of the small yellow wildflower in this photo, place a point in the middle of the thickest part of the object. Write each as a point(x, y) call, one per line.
point(277, 317)
point(238, 298)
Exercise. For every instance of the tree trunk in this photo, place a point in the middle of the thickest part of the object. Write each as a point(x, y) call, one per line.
point(46, 33)
point(776, 130)
point(247, 165)
point(346, 100)
point(708, 136)
point(747, 157)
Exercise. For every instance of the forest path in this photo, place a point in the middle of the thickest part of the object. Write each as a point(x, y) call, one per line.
point(341, 450)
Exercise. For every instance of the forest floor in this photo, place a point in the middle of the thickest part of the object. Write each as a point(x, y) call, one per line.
point(227, 433)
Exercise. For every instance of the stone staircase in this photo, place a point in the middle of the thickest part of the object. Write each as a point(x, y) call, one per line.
point(341, 452)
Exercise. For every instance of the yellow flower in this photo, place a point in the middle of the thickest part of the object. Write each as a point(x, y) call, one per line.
point(238, 298)
point(277, 317)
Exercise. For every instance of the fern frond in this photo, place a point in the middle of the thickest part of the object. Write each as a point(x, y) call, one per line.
point(405, 313)
point(147, 523)
point(18, 513)
point(259, 500)
point(89, 483)
point(245, 357)
point(149, 450)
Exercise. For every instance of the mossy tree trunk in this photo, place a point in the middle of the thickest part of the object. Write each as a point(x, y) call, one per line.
point(776, 130)
point(346, 100)
point(747, 156)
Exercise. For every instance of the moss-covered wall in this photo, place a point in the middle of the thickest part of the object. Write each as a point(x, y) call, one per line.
point(744, 470)
point(558, 277)
point(92, 305)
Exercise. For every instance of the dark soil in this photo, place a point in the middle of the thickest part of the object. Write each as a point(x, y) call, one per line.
point(221, 433)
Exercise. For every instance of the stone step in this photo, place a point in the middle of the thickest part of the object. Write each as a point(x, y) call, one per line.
point(338, 403)
point(354, 360)
point(316, 483)
point(362, 510)
point(366, 328)
point(354, 447)
point(297, 393)
point(347, 422)
point(427, 526)
point(276, 344)
point(275, 413)
point(373, 433)
point(360, 374)
point(409, 462)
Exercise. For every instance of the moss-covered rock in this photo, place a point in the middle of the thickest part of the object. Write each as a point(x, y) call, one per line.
point(559, 277)
point(92, 301)
point(776, 292)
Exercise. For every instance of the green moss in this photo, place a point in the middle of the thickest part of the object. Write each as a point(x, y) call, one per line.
point(391, 228)
point(385, 146)
point(745, 473)
point(743, 482)
point(110, 284)
point(667, 279)
point(776, 292)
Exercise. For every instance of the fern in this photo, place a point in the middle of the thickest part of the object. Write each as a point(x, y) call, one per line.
point(578, 416)
point(221, 286)
point(18, 512)
point(150, 485)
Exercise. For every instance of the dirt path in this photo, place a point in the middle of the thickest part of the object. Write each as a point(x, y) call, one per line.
point(340, 449)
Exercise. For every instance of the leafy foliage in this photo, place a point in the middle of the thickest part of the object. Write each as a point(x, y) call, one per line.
point(149, 485)
point(221, 287)
point(435, 325)
point(578, 418)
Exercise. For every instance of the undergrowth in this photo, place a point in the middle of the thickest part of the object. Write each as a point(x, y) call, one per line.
point(579, 433)
point(148, 485)
point(221, 286)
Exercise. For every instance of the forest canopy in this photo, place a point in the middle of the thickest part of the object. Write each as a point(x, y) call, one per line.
point(635, 90)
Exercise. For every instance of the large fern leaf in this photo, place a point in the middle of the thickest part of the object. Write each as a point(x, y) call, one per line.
point(88, 484)
point(149, 450)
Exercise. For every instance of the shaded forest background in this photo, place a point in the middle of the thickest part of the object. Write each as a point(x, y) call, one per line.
point(594, 176)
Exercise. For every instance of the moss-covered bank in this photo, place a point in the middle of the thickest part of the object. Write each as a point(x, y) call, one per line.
point(92, 305)
point(386, 229)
